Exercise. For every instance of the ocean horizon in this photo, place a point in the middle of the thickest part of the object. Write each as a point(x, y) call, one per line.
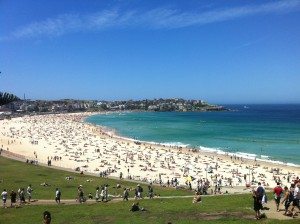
point(268, 132)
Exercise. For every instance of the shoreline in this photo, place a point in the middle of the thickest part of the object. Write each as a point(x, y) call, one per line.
point(246, 156)
point(79, 144)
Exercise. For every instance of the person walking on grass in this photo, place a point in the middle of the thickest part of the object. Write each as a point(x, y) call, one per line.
point(125, 194)
point(150, 191)
point(277, 195)
point(260, 192)
point(57, 195)
point(97, 195)
point(29, 192)
point(256, 203)
point(22, 195)
point(138, 192)
point(296, 199)
point(106, 193)
point(288, 198)
point(13, 198)
point(4, 197)
point(80, 194)
point(102, 193)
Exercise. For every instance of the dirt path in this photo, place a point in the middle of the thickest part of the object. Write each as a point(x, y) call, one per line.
point(273, 214)
point(113, 200)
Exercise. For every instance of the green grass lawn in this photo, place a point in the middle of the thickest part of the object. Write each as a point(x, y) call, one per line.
point(219, 209)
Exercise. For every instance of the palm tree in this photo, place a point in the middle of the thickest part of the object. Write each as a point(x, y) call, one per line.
point(6, 98)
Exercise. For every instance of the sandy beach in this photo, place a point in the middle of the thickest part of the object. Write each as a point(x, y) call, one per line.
point(69, 142)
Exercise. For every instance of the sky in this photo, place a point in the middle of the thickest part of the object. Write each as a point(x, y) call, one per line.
point(219, 51)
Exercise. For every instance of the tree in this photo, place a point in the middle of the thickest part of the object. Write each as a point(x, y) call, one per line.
point(6, 98)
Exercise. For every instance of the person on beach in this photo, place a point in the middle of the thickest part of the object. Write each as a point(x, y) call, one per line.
point(57, 195)
point(13, 198)
point(277, 195)
point(46, 217)
point(29, 192)
point(4, 197)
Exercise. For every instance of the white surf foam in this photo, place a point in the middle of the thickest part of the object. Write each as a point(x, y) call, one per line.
point(175, 144)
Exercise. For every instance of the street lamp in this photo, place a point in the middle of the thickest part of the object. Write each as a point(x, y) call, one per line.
point(249, 174)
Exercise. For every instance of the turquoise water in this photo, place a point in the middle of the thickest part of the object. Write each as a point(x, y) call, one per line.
point(264, 131)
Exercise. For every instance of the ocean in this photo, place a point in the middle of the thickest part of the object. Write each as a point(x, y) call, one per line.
point(264, 132)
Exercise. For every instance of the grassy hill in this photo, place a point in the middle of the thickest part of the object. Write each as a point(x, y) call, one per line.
point(14, 174)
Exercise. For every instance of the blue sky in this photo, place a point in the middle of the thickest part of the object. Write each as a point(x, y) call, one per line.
point(218, 51)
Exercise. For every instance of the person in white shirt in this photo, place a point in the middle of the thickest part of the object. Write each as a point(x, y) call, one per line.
point(97, 196)
point(4, 197)
point(29, 191)
point(57, 196)
point(296, 199)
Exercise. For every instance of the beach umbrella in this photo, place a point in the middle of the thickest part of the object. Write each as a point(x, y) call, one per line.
point(189, 178)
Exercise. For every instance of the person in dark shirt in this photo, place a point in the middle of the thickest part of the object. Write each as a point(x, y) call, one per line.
point(150, 191)
point(260, 192)
point(13, 198)
point(135, 207)
point(125, 194)
point(256, 204)
point(46, 217)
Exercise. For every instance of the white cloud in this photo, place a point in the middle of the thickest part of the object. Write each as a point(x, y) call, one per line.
point(159, 18)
